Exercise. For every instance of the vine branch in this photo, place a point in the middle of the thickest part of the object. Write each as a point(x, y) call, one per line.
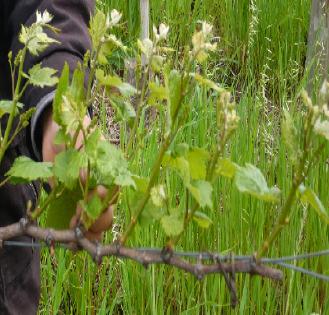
point(76, 240)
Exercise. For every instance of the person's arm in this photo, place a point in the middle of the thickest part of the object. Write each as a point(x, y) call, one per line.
point(72, 18)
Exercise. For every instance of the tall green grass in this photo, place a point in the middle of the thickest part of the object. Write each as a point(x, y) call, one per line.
point(261, 58)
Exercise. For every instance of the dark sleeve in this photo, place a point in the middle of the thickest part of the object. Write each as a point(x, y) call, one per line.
point(72, 18)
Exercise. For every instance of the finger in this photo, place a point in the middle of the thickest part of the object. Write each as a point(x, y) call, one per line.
point(104, 222)
point(101, 191)
point(83, 176)
point(76, 217)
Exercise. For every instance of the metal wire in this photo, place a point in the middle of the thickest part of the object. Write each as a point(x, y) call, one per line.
point(280, 261)
point(304, 271)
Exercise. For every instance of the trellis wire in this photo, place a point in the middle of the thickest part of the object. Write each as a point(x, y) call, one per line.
point(202, 256)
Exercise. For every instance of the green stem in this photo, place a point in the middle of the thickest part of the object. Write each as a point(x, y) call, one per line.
point(92, 72)
point(4, 181)
point(138, 113)
point(38, 211)
point(286, 209)
point(13, 111)
point(143, 202)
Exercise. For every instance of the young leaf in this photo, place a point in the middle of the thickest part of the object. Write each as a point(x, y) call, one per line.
point(62, 137)
point(202, 191)
point(111, 166)
point(76, 89)
point(202, 219)
point(198, 159)
point(289, 134)
point(60, 91)
point(24, 118)
point(151, 213)
point(250, 180)
point(174, 89)
point(157, 63)
point(208, 83)
point(114, 81)
point(180, 165)
point(25, 170)
point(35, 39)
point(6, 107)
point(180, 150)
point(67, 167)
point(308, 196)
point(91, 211)
point(62, 208)
point(157, 93)
point(158, 195)
point(97, 28)
point(172, 225)
point(123, 109)
point(226, 168)
point(42, 76)
point(141, 183)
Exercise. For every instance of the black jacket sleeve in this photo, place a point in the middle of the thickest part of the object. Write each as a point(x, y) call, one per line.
point(72, 18)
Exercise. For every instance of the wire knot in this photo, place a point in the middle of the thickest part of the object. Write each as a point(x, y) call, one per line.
point(78, 233)
point(23, 223)
point(97, 255)
point(166, 255)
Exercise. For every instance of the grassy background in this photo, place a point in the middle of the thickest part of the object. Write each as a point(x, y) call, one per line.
point(261, 59)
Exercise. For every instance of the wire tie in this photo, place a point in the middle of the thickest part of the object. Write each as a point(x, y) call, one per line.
point(117, 246)
point(78, 233)
point(198, 268)
point(23, 222)
point(97, 255)
point(166, 254)
point(49, 239)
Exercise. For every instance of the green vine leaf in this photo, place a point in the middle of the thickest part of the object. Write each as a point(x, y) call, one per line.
point(114, 81)
point(158, 93)
point(207, 83)
point(308, 196)
point(91, 211)
point(173, 81)
point(202, 219)
point(123, 109)
point(42, 77)
point(110, 166)
point(198, 159)
point(35, 39)
point(62, 208)
point(151, 212)
point(202, 192)
point(67, 167)
point(141, 183)
point(25, 170)
point(69, 102)
point(180, 165)
point(250, 180)
point(158, 195)
point(61, 89)
point(6, 107)
point(97, 28)
point(173, 224)
point(226, 168)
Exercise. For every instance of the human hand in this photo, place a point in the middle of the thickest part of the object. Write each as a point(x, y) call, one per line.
point(49, 152)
